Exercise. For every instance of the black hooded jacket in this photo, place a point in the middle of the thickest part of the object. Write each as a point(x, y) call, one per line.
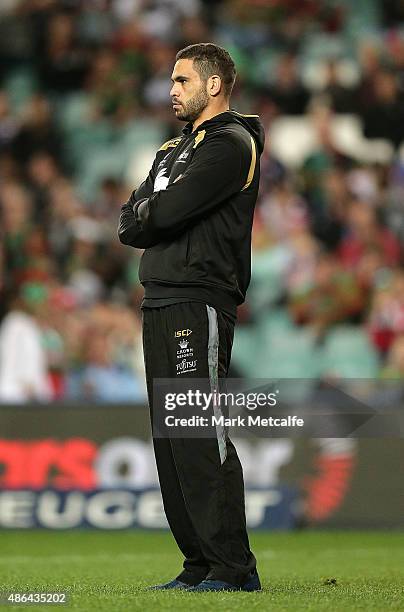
point(193, 214)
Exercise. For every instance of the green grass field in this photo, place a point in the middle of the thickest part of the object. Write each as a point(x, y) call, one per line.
point(109, 571)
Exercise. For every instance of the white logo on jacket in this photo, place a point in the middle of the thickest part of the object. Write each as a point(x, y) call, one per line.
point(161, 181)
point(183, 157)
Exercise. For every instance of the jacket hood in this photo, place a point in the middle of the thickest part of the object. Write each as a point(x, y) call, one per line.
point(251, 123)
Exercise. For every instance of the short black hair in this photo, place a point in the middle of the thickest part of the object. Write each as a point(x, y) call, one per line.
point(211, 59)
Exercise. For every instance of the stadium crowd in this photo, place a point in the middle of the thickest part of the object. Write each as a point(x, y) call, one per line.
point(84, 103)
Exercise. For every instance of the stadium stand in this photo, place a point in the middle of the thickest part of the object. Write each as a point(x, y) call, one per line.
point(83, 106)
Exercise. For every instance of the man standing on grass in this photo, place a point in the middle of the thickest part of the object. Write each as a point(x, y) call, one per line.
point(193, 216)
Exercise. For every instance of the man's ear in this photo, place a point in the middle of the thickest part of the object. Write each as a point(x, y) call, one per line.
point(214, 85)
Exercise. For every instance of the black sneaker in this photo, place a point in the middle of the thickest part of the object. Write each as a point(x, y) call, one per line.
point(252, 583)
point(173, 584)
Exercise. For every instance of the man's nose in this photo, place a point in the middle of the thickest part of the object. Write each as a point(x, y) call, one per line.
point(174, 91)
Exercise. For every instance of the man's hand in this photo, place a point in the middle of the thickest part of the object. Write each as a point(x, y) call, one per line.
point(130, 231)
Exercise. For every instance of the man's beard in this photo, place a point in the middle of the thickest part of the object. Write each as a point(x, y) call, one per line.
point(195, 106)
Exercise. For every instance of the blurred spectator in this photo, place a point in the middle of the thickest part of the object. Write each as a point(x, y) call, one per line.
point(43, 173)
point(104, 377)
point(83, 258)
point(111, 86)
point(63, 61)
point(288, 93)
point(8, 123)
point(340, 98)
point(322, 161)
point(37, 132)
point(386, 317)
point(329, 201)
point(100, 380)
point(283, 211)
point(392, 12)
point(303, 262)
point(383, 114)
point(333, 297)
point(364, 232)
point(25, 246)
point(23, 367)
point(109, 201)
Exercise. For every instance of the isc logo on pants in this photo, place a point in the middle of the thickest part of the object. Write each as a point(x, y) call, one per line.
point(182, 332)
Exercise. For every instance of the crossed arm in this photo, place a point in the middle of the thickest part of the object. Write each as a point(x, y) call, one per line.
point(216, 172)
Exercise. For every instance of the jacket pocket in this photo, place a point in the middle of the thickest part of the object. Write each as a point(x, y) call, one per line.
point(166, 261)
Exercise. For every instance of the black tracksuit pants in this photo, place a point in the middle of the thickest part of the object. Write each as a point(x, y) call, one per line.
point(201, 479)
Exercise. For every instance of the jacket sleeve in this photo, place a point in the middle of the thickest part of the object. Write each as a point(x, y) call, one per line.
point(218, 169)
point(130, 231)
